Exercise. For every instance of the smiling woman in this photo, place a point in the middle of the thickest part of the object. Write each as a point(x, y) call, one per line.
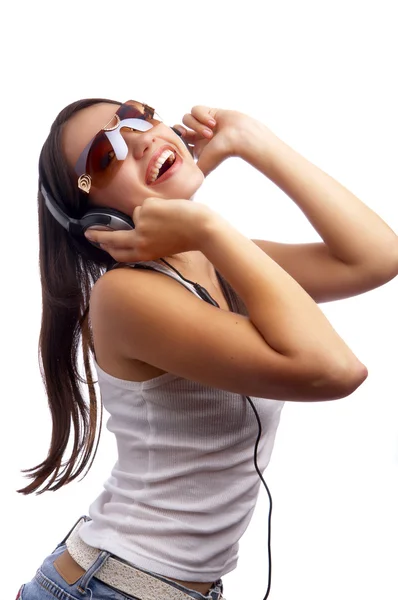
point(120, 159)
point(175, 369)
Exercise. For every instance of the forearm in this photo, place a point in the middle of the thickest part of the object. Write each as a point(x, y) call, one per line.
point(286, 316)
point(352, 231)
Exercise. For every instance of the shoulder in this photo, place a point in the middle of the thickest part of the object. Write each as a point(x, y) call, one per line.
point(106, 283)
point(116, 283)
point(120, 298)
point(120, 290)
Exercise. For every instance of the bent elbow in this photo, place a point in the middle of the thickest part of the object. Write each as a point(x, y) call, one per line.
point(346, 382)
point(356, 377)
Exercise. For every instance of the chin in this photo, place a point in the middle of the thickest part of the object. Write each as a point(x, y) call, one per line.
point(187, 185)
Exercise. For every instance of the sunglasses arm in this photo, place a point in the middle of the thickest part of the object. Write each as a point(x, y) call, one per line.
point(80, 166)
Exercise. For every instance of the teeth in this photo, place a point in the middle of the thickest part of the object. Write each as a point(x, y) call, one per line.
point(154, 172)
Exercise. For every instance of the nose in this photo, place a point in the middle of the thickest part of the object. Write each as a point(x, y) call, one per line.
point(139, 142)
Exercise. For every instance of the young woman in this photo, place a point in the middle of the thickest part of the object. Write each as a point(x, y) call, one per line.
point(198, 335)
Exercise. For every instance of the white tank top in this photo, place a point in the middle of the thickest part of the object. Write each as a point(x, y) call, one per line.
point(184, 486)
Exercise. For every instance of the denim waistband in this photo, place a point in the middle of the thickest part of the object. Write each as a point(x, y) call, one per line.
point(215, 593)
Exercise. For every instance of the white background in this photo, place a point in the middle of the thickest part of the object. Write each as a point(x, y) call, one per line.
point(322, 76)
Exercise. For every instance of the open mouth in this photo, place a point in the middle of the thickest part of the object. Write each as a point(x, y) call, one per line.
point(163, 163)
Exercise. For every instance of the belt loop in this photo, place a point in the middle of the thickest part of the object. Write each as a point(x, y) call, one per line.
point(217, 592)
point(91, 571)
point(85, 518)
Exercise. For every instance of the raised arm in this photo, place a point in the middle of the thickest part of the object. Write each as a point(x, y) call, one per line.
point(285, 350)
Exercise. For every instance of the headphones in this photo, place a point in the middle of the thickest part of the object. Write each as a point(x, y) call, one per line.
point(107, 219)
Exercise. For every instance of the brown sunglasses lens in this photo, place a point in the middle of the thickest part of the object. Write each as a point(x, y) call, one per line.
point(100, 156)
point(132, 110)
point(136, 110)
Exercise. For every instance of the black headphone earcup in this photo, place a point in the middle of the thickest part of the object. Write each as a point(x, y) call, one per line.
point(107, 219)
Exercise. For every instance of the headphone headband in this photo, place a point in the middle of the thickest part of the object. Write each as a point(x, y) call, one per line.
point(95, 217)
point(56, 211)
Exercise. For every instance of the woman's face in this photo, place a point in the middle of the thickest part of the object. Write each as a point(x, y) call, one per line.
point(131, 182)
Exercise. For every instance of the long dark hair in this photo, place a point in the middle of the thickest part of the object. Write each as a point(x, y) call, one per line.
point(69, 267)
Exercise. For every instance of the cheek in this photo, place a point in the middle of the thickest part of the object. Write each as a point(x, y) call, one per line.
point(129, 192)
point(129, 178)
point(185, 152)
point(187, 181)
point(123, 192)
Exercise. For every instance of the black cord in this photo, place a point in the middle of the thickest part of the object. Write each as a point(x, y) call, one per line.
point(211, 300)
point(269, 496)
point(202, 291)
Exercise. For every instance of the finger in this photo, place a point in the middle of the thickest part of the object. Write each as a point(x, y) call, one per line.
point(190, 121)
point(111, 239)
point(205, 114)
point(136, 214)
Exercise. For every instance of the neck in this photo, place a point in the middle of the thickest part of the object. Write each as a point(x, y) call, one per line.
point(191, 264)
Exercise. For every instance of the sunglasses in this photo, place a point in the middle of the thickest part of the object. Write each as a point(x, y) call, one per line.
point(97, 161)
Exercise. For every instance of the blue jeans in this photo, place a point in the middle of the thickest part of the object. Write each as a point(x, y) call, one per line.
point(48, 584)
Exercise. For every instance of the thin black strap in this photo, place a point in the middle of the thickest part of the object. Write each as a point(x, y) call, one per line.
point(203, 293)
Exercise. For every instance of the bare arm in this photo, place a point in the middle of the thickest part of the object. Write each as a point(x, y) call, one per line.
point(285, 315)
point(285, 349)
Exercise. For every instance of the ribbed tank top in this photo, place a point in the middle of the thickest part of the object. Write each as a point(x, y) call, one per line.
point(184, 486)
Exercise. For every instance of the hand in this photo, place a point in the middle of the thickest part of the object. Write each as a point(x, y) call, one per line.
point(215, 134)
point(162, 227)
